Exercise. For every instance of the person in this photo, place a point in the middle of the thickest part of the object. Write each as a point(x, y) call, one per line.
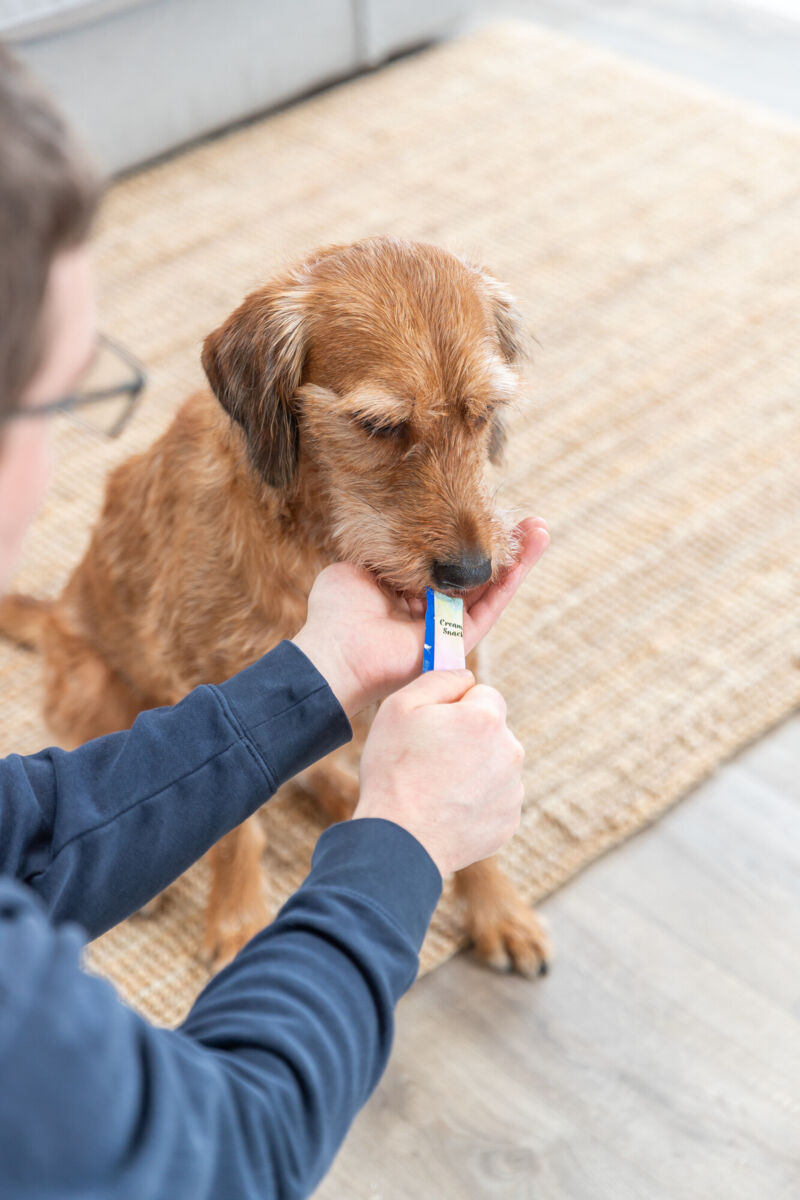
point(254, 1093)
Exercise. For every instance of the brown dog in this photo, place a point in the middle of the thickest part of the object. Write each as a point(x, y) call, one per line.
point(365, 389)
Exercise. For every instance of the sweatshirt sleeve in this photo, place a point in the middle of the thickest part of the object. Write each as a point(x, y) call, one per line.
point(253, 1095)
point(98, 831)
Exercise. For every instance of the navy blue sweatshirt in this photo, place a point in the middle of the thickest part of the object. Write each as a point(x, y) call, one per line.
point(253, 1094)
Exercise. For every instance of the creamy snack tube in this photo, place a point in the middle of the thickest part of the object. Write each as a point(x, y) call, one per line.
point(443, 649)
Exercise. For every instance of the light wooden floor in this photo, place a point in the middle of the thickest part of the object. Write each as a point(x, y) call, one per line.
point(660, 1059)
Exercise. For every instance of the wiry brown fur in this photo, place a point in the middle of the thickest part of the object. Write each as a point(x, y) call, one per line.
point(209, 541)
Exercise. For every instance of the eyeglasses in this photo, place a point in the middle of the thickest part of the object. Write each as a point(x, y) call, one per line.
point(106, 396)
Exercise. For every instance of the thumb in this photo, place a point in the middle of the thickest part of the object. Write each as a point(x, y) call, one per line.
point(435, 687)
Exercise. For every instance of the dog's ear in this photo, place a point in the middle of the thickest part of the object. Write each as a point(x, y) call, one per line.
point(497, 439)
point(511, 331)
point(254, 363)
point(514, 341)
point(509, 324)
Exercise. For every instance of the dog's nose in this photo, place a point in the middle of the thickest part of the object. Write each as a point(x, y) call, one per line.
point(467, 572)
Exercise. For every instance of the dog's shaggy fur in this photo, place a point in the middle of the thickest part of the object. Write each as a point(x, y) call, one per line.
point(365, 388)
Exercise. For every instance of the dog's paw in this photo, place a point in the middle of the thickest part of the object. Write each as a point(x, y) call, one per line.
point(511, 938)
point(223, 939)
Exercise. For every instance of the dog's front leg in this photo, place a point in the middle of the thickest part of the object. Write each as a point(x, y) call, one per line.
point(505, 931)
point(236, 908)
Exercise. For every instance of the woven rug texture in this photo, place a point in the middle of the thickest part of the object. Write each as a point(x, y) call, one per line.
point(651, 232)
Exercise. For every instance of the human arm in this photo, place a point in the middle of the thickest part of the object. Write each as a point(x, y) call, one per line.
point(252, 1096)
point(98, 831)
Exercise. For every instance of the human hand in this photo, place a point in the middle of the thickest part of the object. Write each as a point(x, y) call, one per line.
point(441, 762)
point(367, 641)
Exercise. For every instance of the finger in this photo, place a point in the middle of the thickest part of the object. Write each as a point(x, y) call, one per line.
point(531, 521)
point(435, 687)
point(487, 698)
point(485, 611)
point(529, 540)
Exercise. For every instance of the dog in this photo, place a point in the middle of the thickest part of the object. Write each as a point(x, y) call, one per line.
point(357, 400)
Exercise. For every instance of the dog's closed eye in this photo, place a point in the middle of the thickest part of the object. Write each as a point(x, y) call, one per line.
point(391, 431)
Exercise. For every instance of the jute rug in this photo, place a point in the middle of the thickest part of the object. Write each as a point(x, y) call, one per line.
point(652, 234)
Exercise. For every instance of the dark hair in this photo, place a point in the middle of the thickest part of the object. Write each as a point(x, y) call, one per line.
point(48, 196)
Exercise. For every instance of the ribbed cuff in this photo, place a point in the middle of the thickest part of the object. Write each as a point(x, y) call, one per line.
point(386, 864)
point(287, 711)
